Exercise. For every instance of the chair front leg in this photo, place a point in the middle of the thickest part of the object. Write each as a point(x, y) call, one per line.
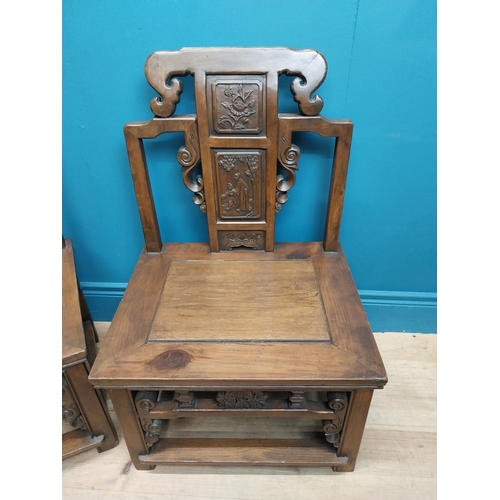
point(354, 425)
point(131, 427)
point(91, 405)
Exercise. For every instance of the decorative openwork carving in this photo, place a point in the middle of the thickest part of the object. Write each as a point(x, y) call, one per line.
point(337, 401)
point(289, 155)
point(145, 401)
point(163, 66)
point(188, 156)
point(239, 178)
point(250, 239)
point(241, 399)
point(71, 413)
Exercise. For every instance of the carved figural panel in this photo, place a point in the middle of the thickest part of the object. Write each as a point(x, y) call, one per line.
point(236, 106)
point(240, 186)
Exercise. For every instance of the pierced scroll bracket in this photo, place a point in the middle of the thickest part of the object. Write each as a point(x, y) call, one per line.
point(188, 156)
point(289, 155)
point(71, 413)
point(145, 401)
point(332, 428)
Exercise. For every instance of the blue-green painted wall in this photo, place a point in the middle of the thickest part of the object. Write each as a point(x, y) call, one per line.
point(382, 75)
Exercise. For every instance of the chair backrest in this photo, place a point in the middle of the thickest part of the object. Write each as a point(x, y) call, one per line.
point(239, 138)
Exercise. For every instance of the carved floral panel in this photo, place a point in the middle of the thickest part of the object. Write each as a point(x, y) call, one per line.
point(237, 105)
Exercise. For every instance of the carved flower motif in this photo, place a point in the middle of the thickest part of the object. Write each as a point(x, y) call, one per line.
point(239, 107)
point(242, 399)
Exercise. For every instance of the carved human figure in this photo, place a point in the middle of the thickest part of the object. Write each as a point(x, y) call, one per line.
point(229, 199)
point(242, 191)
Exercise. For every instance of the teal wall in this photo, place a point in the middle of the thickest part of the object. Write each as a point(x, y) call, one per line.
point(381, 58)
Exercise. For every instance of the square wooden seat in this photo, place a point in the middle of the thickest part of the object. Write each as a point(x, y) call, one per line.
point(240, 326)
point(84, 409)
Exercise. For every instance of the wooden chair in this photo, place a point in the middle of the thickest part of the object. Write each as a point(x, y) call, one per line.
point(267, 330)
point(83, 408)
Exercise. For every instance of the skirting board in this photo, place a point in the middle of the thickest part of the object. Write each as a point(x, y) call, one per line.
point(412, 312)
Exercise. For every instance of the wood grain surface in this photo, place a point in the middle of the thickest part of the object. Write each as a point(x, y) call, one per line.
point(217, 300)
point(73, 340)
point(396, 461)
point(130, 356)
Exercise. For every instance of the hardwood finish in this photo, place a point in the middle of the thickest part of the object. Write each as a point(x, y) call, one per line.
point(131, 428)
point(128, 352)
point(342, 129)
point(277, 452)
point(203, 311)
point(396, 461)
point(84, 408)
point(78, 441)
point(357, 414)
point(242, 326)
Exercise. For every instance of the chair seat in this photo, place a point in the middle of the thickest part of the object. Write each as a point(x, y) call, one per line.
point(206, 318)
point(83, 408)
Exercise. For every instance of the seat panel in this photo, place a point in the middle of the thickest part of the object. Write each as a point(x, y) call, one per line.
point(153, 357)
point(240, 301)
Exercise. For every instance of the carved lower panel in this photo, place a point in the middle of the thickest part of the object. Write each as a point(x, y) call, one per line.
point(241, 399)
point(153, 410)
point(71, 413)
point(144, 402)
point(234, 239)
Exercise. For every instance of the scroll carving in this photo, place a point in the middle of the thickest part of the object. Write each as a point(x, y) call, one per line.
point(337, 401)
point(241, 399)
point(289, 155)
point(144, 402)
point(70, 411)
point(188, 156)
point(163, 66)
point(302, 89)
point(229, 240)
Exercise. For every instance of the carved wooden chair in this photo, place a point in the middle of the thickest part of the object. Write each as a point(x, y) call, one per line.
point(84, 410)
point(267, 330)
